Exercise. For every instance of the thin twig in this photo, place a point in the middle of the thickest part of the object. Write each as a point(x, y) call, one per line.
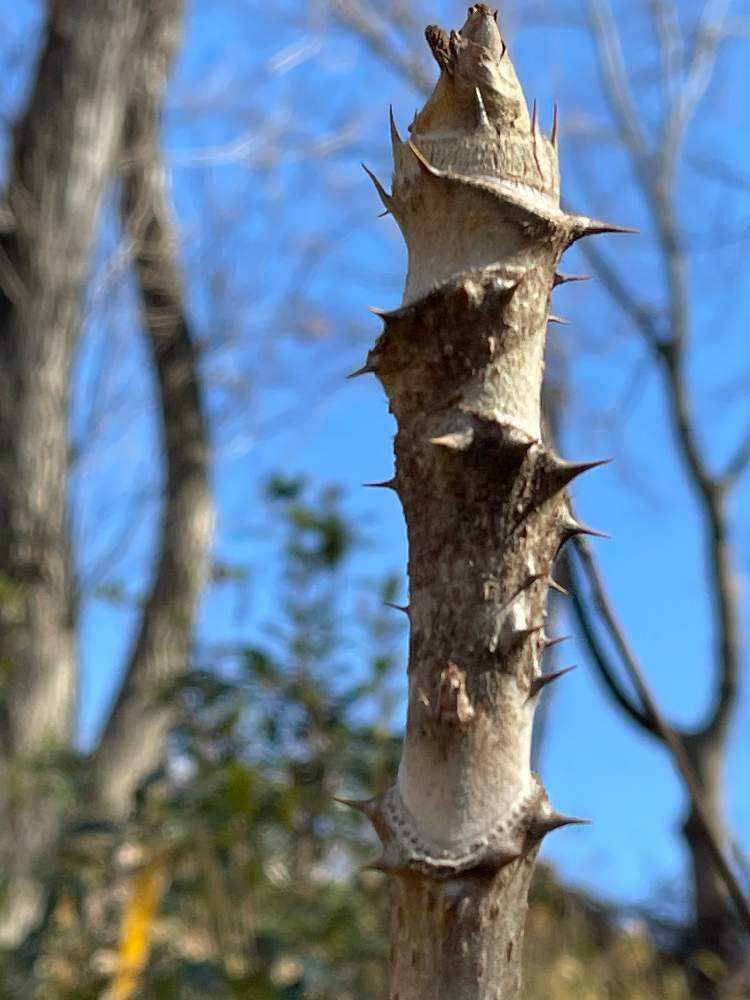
point(657, 177)
point(595, 647)
point(739, 462)
point(373, 32)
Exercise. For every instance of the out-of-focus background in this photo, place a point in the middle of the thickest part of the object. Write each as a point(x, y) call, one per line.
point(187, 249)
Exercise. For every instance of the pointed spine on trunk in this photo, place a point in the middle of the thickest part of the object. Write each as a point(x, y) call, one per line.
point(403, 608)
point(547, 823)
point(386, 199)
point(541, 682)
point(387, 484)
point(564, 279)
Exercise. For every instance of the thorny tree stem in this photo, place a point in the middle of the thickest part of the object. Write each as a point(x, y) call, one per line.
point(476, 196)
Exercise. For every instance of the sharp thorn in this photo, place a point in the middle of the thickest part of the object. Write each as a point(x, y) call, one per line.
point(559, 320)
point(383, 194)
point(558, 587)
point(520, 635)
point(495, 860)
point(483, 121)
point(555, 129)
point(563, 279)
point(389, 484)
point(538, 683)
point(534, 137)
point(366, 806)
point(566, 472)
point(597, 228)
point(542, 825)
point(550, 643)
point(396, 139)
point(529, 582)
point(364, 370)
point(423, 162)
point(382, 215)
point(398, 607)
point(571, 528)
point(583, 226)
point(377, 311)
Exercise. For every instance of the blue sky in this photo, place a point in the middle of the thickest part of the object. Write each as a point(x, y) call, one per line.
point(270, 113)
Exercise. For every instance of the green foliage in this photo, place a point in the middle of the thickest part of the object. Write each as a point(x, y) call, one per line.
point(262, 893)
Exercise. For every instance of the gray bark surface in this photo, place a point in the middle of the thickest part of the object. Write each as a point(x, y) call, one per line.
point(134, 739)
point(476, 196)
point(100, 79)
point(64, 148)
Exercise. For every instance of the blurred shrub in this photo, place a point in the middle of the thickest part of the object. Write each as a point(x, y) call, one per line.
point(238, 875)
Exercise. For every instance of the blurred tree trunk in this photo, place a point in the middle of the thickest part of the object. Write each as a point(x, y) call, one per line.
point(716, 928)
point(476, 196)
point(134, 738)
point(66, 148)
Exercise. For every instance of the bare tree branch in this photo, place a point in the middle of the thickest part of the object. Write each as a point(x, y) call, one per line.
point(604, 29)
point(657, 180)
point(642, 315)
point(650, 718)
point(134, 739)
point(739, 462)
point(671, 46)
point(375, 34)
point(700, 70)
point(64, 148)
point(599, 655)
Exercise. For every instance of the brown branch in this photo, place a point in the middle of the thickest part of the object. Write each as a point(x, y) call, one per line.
point(641, 314)
point(606, 669)
point(656, 175)
point(738, 464)
point(614, 76)
point(700, 70)
point(671, 49)
point(361, 20)
point(652, 720)
point(134, 738)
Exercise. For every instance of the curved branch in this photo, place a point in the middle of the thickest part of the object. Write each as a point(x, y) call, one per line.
point(360, 19)
point(135, 736)
point(598, 653)
point(655, 170)
point(737, 465)
point(652, 720)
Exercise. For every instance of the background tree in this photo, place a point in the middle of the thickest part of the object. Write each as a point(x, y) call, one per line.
point(100, 80)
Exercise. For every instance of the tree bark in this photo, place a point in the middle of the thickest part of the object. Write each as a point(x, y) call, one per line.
point(134, 740)
point(63, 151)
point(476, 196)
point(716, 929)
